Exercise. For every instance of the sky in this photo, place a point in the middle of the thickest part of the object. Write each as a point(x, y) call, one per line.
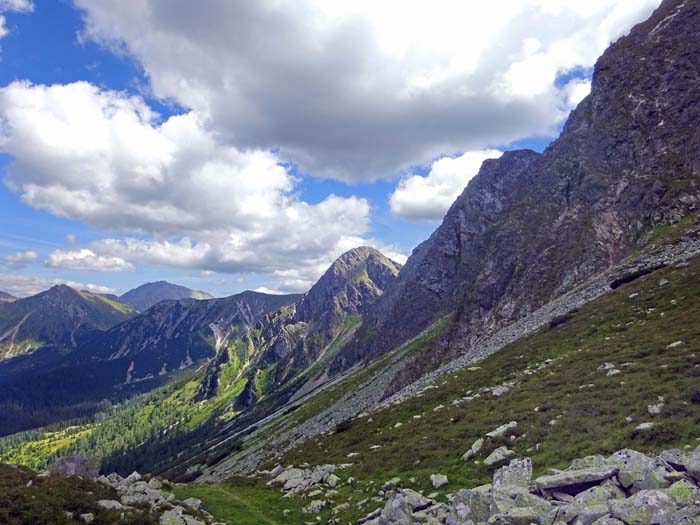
point(231, 145)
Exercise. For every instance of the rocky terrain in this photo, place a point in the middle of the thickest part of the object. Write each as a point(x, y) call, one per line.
point(625, 488)
point(551, 316)
point(530, 227)
point(143, 297)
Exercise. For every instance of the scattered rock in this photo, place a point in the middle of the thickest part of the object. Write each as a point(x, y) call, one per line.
point(473, 450)
point(499, 455)
point(438, 480)
point(502, 430)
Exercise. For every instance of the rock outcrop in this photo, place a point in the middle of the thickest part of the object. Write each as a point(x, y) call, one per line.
point(626, 488)
point(530, 226)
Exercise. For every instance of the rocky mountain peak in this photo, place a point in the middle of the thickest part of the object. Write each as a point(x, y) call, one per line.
point(349, 286)
point(529, 227)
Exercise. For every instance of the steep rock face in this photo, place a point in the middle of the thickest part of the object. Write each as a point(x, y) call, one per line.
point(149, 294)
point(293, 338)
point(529, 227)
point(56, 318)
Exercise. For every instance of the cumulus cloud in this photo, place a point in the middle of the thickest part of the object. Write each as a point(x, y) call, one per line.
point(428, 197)
point(105, 158)
point(364, 89)
point(20, 259)
point(17, 6)
point(24, 285)
point(86, 259)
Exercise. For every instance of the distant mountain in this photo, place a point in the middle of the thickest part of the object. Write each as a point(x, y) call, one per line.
point(146, 295)
point(175, 334)
point(57, 318)
point(6, 297)
point(138, 355)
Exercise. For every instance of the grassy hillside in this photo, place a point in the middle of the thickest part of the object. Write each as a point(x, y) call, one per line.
point(566, 406)
point(564, 397)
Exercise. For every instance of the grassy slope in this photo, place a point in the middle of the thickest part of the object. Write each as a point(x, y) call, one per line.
point(621, 328)
point(46, 500)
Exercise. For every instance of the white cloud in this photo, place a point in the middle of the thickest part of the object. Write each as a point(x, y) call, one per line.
point(365, 89)
point(576, 91)
point(20, 259)
point(270, 291)
point(104, 158)
point(25, 285)
point(85, 259)
point(17, 6)
point(428, 197)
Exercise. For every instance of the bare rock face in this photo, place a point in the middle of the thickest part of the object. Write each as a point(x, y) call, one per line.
point(531, 226)
point(292, 338)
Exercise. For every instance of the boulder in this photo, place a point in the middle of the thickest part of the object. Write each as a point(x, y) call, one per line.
point(692, 464)
point(683, 492)
point(473, 450)
point(640, 472)
point(474, 504)
point(575, 481)
point(314, 507)
point(416, 500)
point(132, 478)
point(647, 507)
point(502, 430)
point(438, 480)
point(518, 473)
point(110, 504)
point(499, 455)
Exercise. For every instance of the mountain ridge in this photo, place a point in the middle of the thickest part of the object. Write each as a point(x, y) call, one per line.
point(531, 226)
point(148, 294)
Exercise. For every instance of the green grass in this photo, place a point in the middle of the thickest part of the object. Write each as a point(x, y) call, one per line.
point(616, 328)
point(46, 500)
point(244, 500)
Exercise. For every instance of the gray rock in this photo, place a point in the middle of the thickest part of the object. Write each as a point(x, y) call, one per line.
point(314, 507)
point(132, 478)
point(647, 507)
point(472, 503)
point(518, 473)
point(502, 430)
point(193, 503)
point(438, 480)
point(110, 504)
point(692, 464)
point(473, 450)
point(499, 455)
point(574, 481)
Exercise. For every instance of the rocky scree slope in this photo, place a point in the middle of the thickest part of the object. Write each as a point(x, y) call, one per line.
point(529, 227)
point(149, 294)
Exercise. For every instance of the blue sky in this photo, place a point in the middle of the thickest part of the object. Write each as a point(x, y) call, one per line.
point(356, 172)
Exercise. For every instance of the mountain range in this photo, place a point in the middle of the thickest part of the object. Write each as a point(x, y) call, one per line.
point(553, 277)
